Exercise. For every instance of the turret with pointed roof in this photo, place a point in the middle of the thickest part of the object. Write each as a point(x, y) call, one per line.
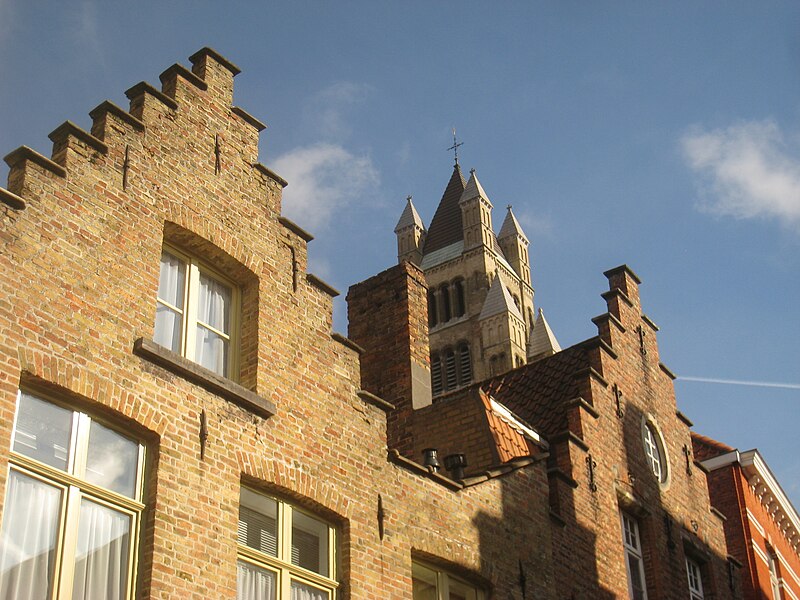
point(411, 233)
point(514, 244)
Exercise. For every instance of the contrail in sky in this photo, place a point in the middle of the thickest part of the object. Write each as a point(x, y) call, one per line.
point(786, 386)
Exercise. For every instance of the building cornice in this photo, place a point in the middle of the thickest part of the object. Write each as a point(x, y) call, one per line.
point(766, 488)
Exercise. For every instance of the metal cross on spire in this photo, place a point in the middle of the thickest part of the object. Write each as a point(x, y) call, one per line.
point(455, 145)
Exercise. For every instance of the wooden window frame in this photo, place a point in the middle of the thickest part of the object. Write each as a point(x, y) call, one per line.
point(281, 565)
point(444, 580)
point(633, 549)
point(75, 488)
point(194, 268)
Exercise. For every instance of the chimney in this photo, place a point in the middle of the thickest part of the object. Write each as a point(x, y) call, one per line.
point(388, 318)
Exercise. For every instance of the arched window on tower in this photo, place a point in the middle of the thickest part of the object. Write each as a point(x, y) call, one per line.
point(465, 364)
point(451, 377)
point(460, 306)
point(447, 312)
point(432, 314)
point(436, 374)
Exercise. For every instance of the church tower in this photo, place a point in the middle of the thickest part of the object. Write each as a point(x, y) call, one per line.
point(480, 296)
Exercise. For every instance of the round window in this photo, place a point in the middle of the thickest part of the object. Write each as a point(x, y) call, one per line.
point(654, 451)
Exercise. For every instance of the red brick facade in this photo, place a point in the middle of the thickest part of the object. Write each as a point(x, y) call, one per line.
point(761, 526)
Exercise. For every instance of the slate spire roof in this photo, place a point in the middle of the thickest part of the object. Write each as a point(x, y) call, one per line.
point(409, 217)
point(542, 341)
point(498, 301)
point(511, 227)
point(446, 226)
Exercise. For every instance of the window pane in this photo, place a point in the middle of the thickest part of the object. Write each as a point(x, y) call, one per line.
point(172, 280)
point(214, 304)
point(460, 590)
point(301, 591)
point(112, 460)
point(43, 431)
point(168, 328)
point(211, 351)
point(28, 538)
point(309, 543)
point(255, 583)
point(258, 522)
point(637, 581)
point(101, 557)
point(423, 583)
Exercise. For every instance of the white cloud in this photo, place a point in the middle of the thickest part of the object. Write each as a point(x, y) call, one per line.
point(327, 110)
point(748, 170)
point(323, 178)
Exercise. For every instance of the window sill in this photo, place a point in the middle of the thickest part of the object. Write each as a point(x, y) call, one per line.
point(209, 380)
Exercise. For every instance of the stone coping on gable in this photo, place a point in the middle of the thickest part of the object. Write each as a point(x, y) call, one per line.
point(11, 199)
point(191, 371)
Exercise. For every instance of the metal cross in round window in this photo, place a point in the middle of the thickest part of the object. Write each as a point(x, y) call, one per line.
point(654, 450)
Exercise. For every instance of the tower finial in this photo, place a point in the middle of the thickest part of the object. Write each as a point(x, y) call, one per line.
point(455, 145)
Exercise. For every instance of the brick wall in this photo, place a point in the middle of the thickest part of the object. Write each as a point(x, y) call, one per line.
point(79, 270)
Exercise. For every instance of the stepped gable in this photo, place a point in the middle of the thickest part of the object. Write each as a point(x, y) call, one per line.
point(446, 226)
point(704, 447)
point(538, 392)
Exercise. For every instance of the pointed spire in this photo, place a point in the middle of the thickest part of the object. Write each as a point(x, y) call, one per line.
point(498, 301)
point(409, 217)
point(474, 189)
point(446, 227)
point(511, 227)
point(542, 341)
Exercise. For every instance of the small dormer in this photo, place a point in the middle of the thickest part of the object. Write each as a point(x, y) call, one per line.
point(410, 232)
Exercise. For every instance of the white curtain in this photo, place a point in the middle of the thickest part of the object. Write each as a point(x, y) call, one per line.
point(28, 538)
point(101, 557)
point(253, 583)
point(306, 592)
point(213, 308)
point(171, 285)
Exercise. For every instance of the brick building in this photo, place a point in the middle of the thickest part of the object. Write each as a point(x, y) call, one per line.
point(178, 421)
point(762, 527)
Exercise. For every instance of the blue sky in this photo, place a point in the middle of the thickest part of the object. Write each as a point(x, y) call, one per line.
point(661, 135)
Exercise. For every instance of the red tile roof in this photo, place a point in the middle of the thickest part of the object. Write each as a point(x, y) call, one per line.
point(538, 392)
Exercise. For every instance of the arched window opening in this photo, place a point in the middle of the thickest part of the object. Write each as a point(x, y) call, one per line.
point(460, 305)
point(432, 315)
point(436, 374)
point(465, 364)
point(451, 377)
point(447, 312)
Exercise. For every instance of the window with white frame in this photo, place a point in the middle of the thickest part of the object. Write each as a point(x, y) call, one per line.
point(654, 451)
point(773, 574)
point(72, 511)
point(196, 312)
point(432, 583)
point(634, 562)
point(694, 574)
point(285, 553)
